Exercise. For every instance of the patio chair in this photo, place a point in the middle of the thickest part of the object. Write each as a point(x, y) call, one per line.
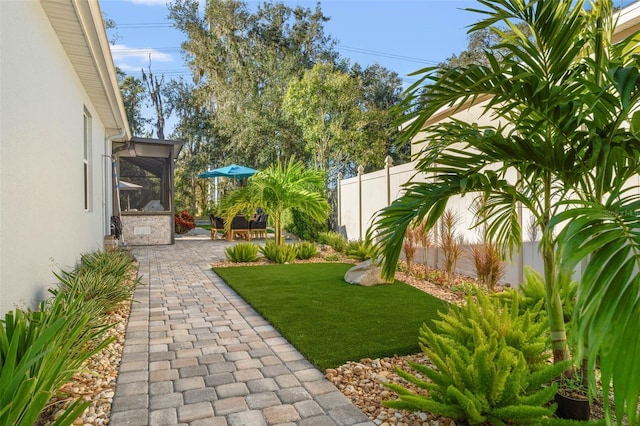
point(258, 227)
point(240, 227)
point(216, 223)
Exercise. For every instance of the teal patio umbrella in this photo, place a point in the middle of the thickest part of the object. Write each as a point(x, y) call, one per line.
point(233, 171)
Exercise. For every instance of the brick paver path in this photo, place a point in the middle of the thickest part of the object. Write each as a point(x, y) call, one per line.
point(196, 354)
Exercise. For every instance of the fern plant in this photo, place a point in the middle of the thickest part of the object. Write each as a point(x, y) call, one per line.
point(242, 253)
point(305, 250)
point(489, 363)
point(284, 253)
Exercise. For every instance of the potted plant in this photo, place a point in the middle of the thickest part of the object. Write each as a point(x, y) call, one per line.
point(573, 397)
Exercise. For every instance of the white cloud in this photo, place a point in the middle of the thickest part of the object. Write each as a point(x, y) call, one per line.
point(129, 69)
point(127, 54)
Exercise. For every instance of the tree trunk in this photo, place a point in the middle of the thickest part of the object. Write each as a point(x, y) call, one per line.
point(154, 87)
point(277, 222)
point(553, 278)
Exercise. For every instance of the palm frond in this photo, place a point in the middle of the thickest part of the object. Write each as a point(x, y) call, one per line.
point(608, 299)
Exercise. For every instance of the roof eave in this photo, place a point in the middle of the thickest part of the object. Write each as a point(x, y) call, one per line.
point(80, 28)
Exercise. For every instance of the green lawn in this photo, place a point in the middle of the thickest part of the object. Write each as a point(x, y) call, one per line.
point(329, 320)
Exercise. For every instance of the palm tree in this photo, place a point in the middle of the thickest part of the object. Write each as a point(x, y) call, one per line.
point(277, 189)
point(560, 98)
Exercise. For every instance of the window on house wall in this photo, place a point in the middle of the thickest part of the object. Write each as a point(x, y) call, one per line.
point(86, 160)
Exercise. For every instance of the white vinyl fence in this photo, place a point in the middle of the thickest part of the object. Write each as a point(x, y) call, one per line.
point(359, 199)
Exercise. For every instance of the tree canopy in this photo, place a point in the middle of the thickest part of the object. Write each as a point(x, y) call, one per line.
point(243, 60)
point(326, 104)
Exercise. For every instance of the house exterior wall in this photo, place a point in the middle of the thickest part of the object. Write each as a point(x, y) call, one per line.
point(43, 223)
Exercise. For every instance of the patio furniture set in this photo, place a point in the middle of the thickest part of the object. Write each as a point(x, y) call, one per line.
point(241, 227)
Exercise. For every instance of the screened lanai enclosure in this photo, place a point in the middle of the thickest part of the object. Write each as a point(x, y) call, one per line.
point(143, 190)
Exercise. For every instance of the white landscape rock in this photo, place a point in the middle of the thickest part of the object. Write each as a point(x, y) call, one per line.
point(366, 274)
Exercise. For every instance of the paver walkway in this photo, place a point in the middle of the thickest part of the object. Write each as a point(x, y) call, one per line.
point(196, 354)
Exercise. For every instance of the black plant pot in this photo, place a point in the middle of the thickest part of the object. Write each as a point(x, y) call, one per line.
point(572, 408)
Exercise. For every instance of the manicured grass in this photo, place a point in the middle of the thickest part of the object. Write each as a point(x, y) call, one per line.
point(330, 321)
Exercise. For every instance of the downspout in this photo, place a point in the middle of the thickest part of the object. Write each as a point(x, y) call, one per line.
point(108, 141)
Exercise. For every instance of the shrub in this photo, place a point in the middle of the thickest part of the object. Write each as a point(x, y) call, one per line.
point(305, 250)
point(425, 239)
point(101, 281)
point(184, 222)
point(409, 246)
point(436, 276)
point(487, 261)
point(280, 254)
point(242, 252)
point(305, 227)
point(450, 242)
point(333, 239)
point(361, 250)
point(489, 365)
point(41, 350)
point(486, 256)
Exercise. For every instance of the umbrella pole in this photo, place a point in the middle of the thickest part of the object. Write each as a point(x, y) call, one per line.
point(216, 190)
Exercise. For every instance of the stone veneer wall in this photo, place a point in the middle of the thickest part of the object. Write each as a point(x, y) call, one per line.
point(147, 229)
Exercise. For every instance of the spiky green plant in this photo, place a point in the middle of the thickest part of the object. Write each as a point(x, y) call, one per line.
point(39, 352)
point(305, 250)
point(284, 253)
point(242, 252)
point(532, 292)
point(102, 280)
point(361, 250)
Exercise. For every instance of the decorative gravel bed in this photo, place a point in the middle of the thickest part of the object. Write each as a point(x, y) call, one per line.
point(361, 381)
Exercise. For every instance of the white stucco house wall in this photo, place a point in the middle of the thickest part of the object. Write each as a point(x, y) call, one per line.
point(60, 112)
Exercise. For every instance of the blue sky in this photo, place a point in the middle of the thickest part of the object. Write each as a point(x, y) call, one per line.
point(402, 35)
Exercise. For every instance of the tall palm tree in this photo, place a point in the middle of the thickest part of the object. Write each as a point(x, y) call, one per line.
point(563, 101)
point(277, 189)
